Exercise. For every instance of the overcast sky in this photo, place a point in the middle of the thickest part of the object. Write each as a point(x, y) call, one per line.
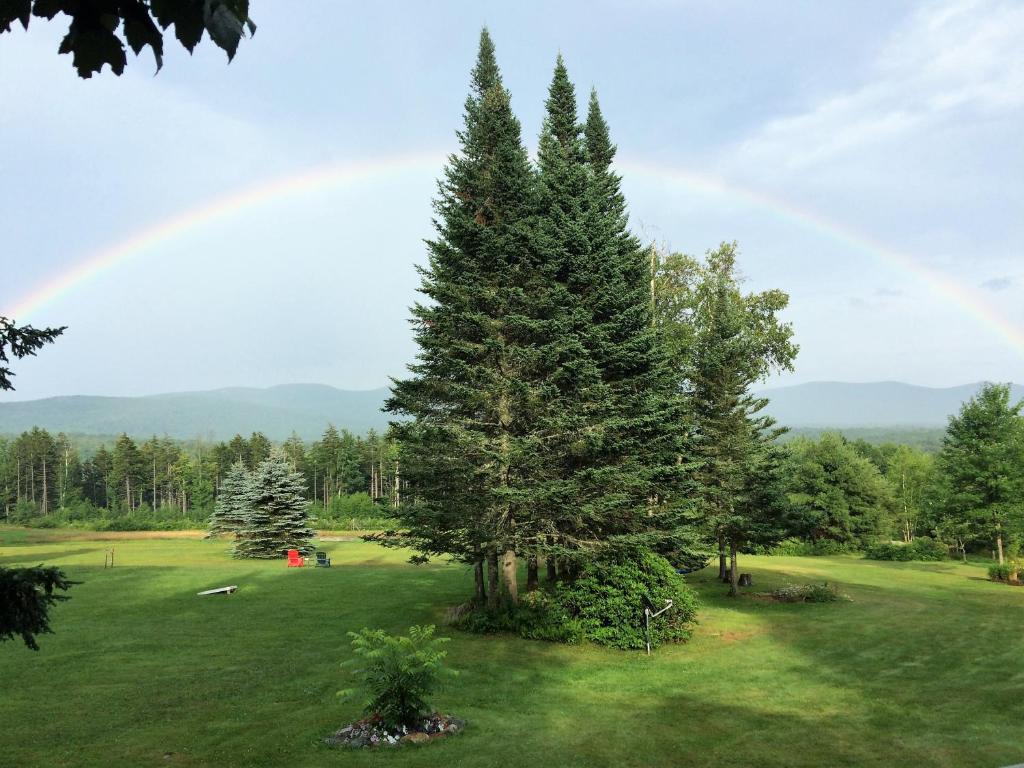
point(821, 136)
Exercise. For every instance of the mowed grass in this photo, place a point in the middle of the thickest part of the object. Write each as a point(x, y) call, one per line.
point(923, 668)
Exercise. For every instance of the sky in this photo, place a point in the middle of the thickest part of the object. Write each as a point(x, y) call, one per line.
point(260, 222)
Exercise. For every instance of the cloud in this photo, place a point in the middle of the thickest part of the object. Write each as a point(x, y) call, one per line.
point(954, 60)
point(998, 283)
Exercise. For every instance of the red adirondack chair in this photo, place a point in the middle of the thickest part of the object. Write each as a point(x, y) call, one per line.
point(295, 560)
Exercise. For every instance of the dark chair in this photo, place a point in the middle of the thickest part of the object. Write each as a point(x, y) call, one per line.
point(322, 560)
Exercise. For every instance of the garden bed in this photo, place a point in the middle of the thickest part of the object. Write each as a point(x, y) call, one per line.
point(371, 732)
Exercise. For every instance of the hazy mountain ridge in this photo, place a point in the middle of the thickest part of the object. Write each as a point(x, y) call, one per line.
point(213, 414)
point(874, 404)
point(308, 408)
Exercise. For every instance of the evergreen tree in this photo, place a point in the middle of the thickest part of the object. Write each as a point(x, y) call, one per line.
point(126, 472)
point(275, 514)
point(623, 475)
point(231, 509)
point(490, 346)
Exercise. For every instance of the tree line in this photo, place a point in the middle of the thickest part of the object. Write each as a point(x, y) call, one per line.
point(46, 477)
point(969, 495)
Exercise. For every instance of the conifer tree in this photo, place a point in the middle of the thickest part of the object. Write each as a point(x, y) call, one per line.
point(276, 510)
point(623, 475)
point(231, 509)
point(491, 347)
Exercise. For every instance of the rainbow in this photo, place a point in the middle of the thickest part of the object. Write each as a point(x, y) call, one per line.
point(967, 299)
point(307, 181)
point(311, 180)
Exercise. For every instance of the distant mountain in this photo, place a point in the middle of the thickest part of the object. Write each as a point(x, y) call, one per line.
point(216, 414)
point(879, 404)
point(308, 408)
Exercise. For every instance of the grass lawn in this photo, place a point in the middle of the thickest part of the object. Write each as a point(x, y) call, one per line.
point(924, 668)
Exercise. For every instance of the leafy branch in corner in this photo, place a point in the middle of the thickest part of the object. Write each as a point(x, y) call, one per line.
point(21, 342)
point(93, 36)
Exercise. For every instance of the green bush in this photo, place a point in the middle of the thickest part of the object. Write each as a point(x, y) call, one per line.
point(1009, 572)
point(921, 548)
point(820, 548)
point(927, 548)
point(807, 593)
point(537, 617)
point(397, 673)
point(889, 550)
point(608, 597)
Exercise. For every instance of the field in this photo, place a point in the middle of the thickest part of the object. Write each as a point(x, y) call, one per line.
point(923, 668)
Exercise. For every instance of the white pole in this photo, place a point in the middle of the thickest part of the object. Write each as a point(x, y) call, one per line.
point(647, 621)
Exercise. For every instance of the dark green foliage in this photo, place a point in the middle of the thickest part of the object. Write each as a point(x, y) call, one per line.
point(93, 37)
point(398, 674)
point(538, 616)
point(275, 512)
point(26, 596)
point(807, 593)
point(922, 548)
point(610, 593)
point(23, 341)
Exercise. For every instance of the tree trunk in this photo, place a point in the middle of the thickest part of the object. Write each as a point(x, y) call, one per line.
point(46, 495)
point(999, 544)
point(478, 580)
point(552, 570)
point(531, 573)
point(723, 568)
point(734, 587)
point(509, 576)
point(492, 580)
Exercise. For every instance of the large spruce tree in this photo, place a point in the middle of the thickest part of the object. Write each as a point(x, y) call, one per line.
point(624, 473)
point(488, 336)
point(276, 510)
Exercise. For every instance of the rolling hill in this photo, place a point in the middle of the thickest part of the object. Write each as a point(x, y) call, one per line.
point(834, 404)
point(215, 414)
point(308, 408)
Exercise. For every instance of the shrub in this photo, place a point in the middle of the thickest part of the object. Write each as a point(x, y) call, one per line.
point(807, 593)
point(927, 548)
point(398, 673)
point(608, 597)
point(1008, 572)
point(820, 548)
point(921, 548)
point(537, 617)
point(889, 550)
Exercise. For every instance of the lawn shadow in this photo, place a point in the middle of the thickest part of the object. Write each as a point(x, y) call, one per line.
point(47, 557)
